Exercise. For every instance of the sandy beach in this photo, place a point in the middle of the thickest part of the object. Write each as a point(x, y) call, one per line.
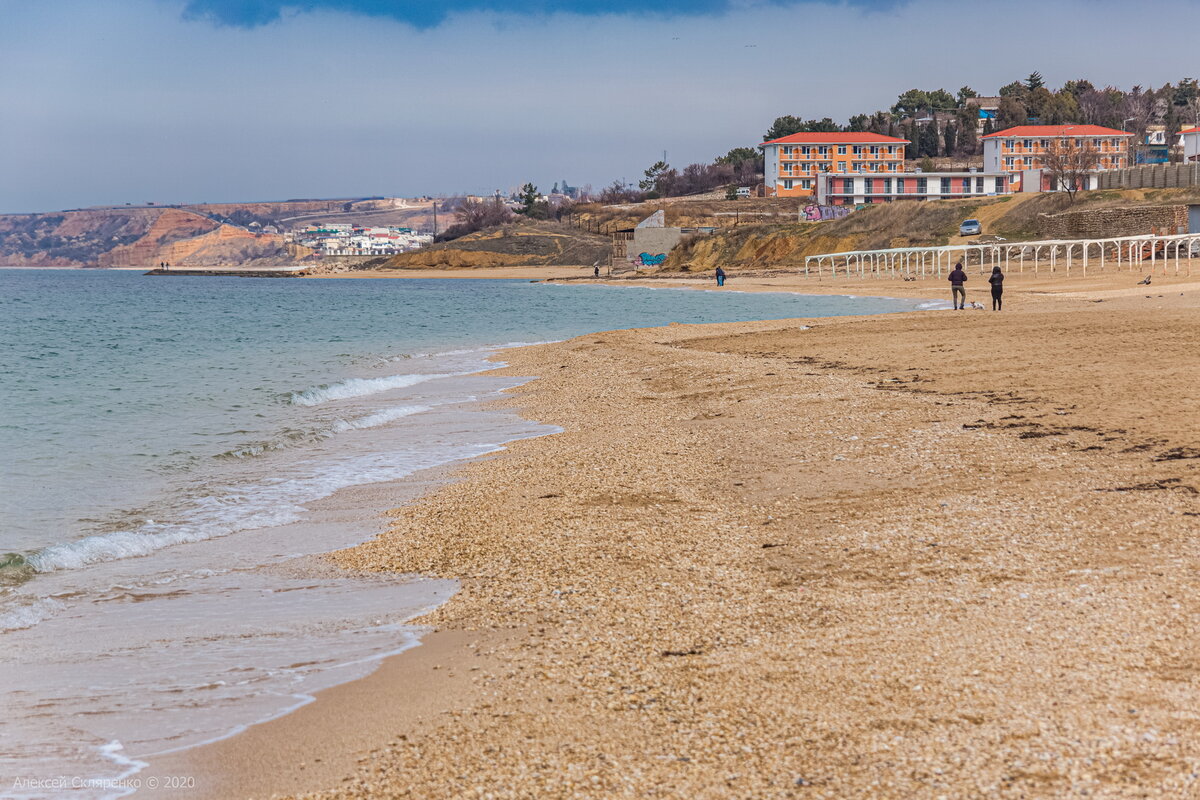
point(926, 555)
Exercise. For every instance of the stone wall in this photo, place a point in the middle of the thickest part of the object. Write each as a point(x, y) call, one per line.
point(1151, 176)
point(1104, 223)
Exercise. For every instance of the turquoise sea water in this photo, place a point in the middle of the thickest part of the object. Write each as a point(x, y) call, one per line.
point(167, 444)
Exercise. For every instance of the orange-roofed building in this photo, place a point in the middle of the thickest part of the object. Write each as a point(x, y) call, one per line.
point(793, 163)
point(1022, 147)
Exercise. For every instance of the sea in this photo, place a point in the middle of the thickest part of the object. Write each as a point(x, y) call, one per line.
point(177, 452)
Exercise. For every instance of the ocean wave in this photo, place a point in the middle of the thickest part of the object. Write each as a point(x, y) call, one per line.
point(154, 536)
point(247, 508)
point(382, 417)
point(360, 387)
point(471, 350)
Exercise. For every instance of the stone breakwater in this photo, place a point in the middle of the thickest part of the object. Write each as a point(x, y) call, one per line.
point(865, 560)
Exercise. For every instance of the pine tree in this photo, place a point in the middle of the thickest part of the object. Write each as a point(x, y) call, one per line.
point(929, 139)
point(950, 136)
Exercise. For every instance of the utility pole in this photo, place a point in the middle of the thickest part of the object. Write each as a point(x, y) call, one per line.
point(435, 219)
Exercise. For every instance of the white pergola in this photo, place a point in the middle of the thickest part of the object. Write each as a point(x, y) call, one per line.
point(1156, 252)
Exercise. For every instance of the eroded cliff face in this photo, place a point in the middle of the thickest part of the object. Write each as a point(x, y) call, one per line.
point(141, 237)
point(171, 226)
point(70, 238)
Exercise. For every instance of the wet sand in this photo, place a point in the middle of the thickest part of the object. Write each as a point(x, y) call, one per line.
point(940, 554)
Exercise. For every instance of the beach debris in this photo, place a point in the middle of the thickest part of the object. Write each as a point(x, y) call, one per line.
point(1144, 281)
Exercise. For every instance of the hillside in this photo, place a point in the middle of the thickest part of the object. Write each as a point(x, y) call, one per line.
point(900, 224)
point(524, 243)
point(194, 235)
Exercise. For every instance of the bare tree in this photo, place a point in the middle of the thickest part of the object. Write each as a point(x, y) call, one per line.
point(475, 215)
point(1068, 164)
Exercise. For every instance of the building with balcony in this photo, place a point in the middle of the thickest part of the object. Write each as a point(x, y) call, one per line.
point(838, 190)
point(793, 164)
point(1020, 150)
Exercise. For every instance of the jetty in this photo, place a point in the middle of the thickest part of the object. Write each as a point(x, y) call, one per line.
point(233, 272)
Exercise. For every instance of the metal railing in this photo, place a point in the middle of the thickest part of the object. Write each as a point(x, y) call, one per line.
point(1057, 254)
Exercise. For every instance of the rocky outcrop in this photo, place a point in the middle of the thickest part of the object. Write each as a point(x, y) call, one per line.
point(523, 243)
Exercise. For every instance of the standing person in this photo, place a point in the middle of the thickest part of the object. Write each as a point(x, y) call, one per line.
point(957, 293)
point(596, 270)
point(997, 282)
point(720, 277)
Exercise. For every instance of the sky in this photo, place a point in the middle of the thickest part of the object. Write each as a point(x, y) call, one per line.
point(183, 101)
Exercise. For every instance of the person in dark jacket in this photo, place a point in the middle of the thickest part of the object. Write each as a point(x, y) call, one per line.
point(957, 293)
point(997, 282)
point(720, 277)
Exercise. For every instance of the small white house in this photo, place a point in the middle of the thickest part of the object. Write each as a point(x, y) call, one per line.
point(1191, 144)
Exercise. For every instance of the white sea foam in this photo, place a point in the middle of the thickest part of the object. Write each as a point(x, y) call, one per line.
point(27, 616)
point(266, 505)
point(382, 417)
point(359, 387)
point(472, 350)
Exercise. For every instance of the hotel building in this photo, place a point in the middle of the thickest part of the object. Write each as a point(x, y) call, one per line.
point(1020, 149)
point(793, 164)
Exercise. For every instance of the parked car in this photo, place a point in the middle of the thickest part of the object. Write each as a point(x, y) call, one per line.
point(744, 191)
point(970, 227)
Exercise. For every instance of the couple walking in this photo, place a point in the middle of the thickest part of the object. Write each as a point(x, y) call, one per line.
point(958, 293)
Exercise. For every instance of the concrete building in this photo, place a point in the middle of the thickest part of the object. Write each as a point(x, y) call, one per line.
point(837, 190)
point(793, 164)
point(1019, 150)
point(1191, 144)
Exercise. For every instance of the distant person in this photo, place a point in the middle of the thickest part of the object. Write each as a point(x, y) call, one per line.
point(957, 293)
point(595, 270)
point(997, 282)
point(720, 277)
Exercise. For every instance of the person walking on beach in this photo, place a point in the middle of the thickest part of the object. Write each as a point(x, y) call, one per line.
point(720, 277)
point(596, 270)
point(997, 282)
point(957, 293)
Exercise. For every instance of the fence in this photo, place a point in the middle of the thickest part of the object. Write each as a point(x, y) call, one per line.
point(1155, 176)
point(1159, 252)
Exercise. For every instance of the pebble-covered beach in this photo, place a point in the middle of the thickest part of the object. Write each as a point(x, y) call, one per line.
point(938, 555)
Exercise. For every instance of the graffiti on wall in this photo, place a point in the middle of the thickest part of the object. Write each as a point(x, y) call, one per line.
point(815, 213)
point(647, 260)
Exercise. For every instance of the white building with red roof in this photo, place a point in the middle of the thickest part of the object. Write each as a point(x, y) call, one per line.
point(1191, 144)
point(793, 164)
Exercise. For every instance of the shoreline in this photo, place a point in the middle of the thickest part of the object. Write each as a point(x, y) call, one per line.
point(474, 608)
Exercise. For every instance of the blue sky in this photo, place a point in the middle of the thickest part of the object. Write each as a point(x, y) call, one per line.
point(213, 100)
